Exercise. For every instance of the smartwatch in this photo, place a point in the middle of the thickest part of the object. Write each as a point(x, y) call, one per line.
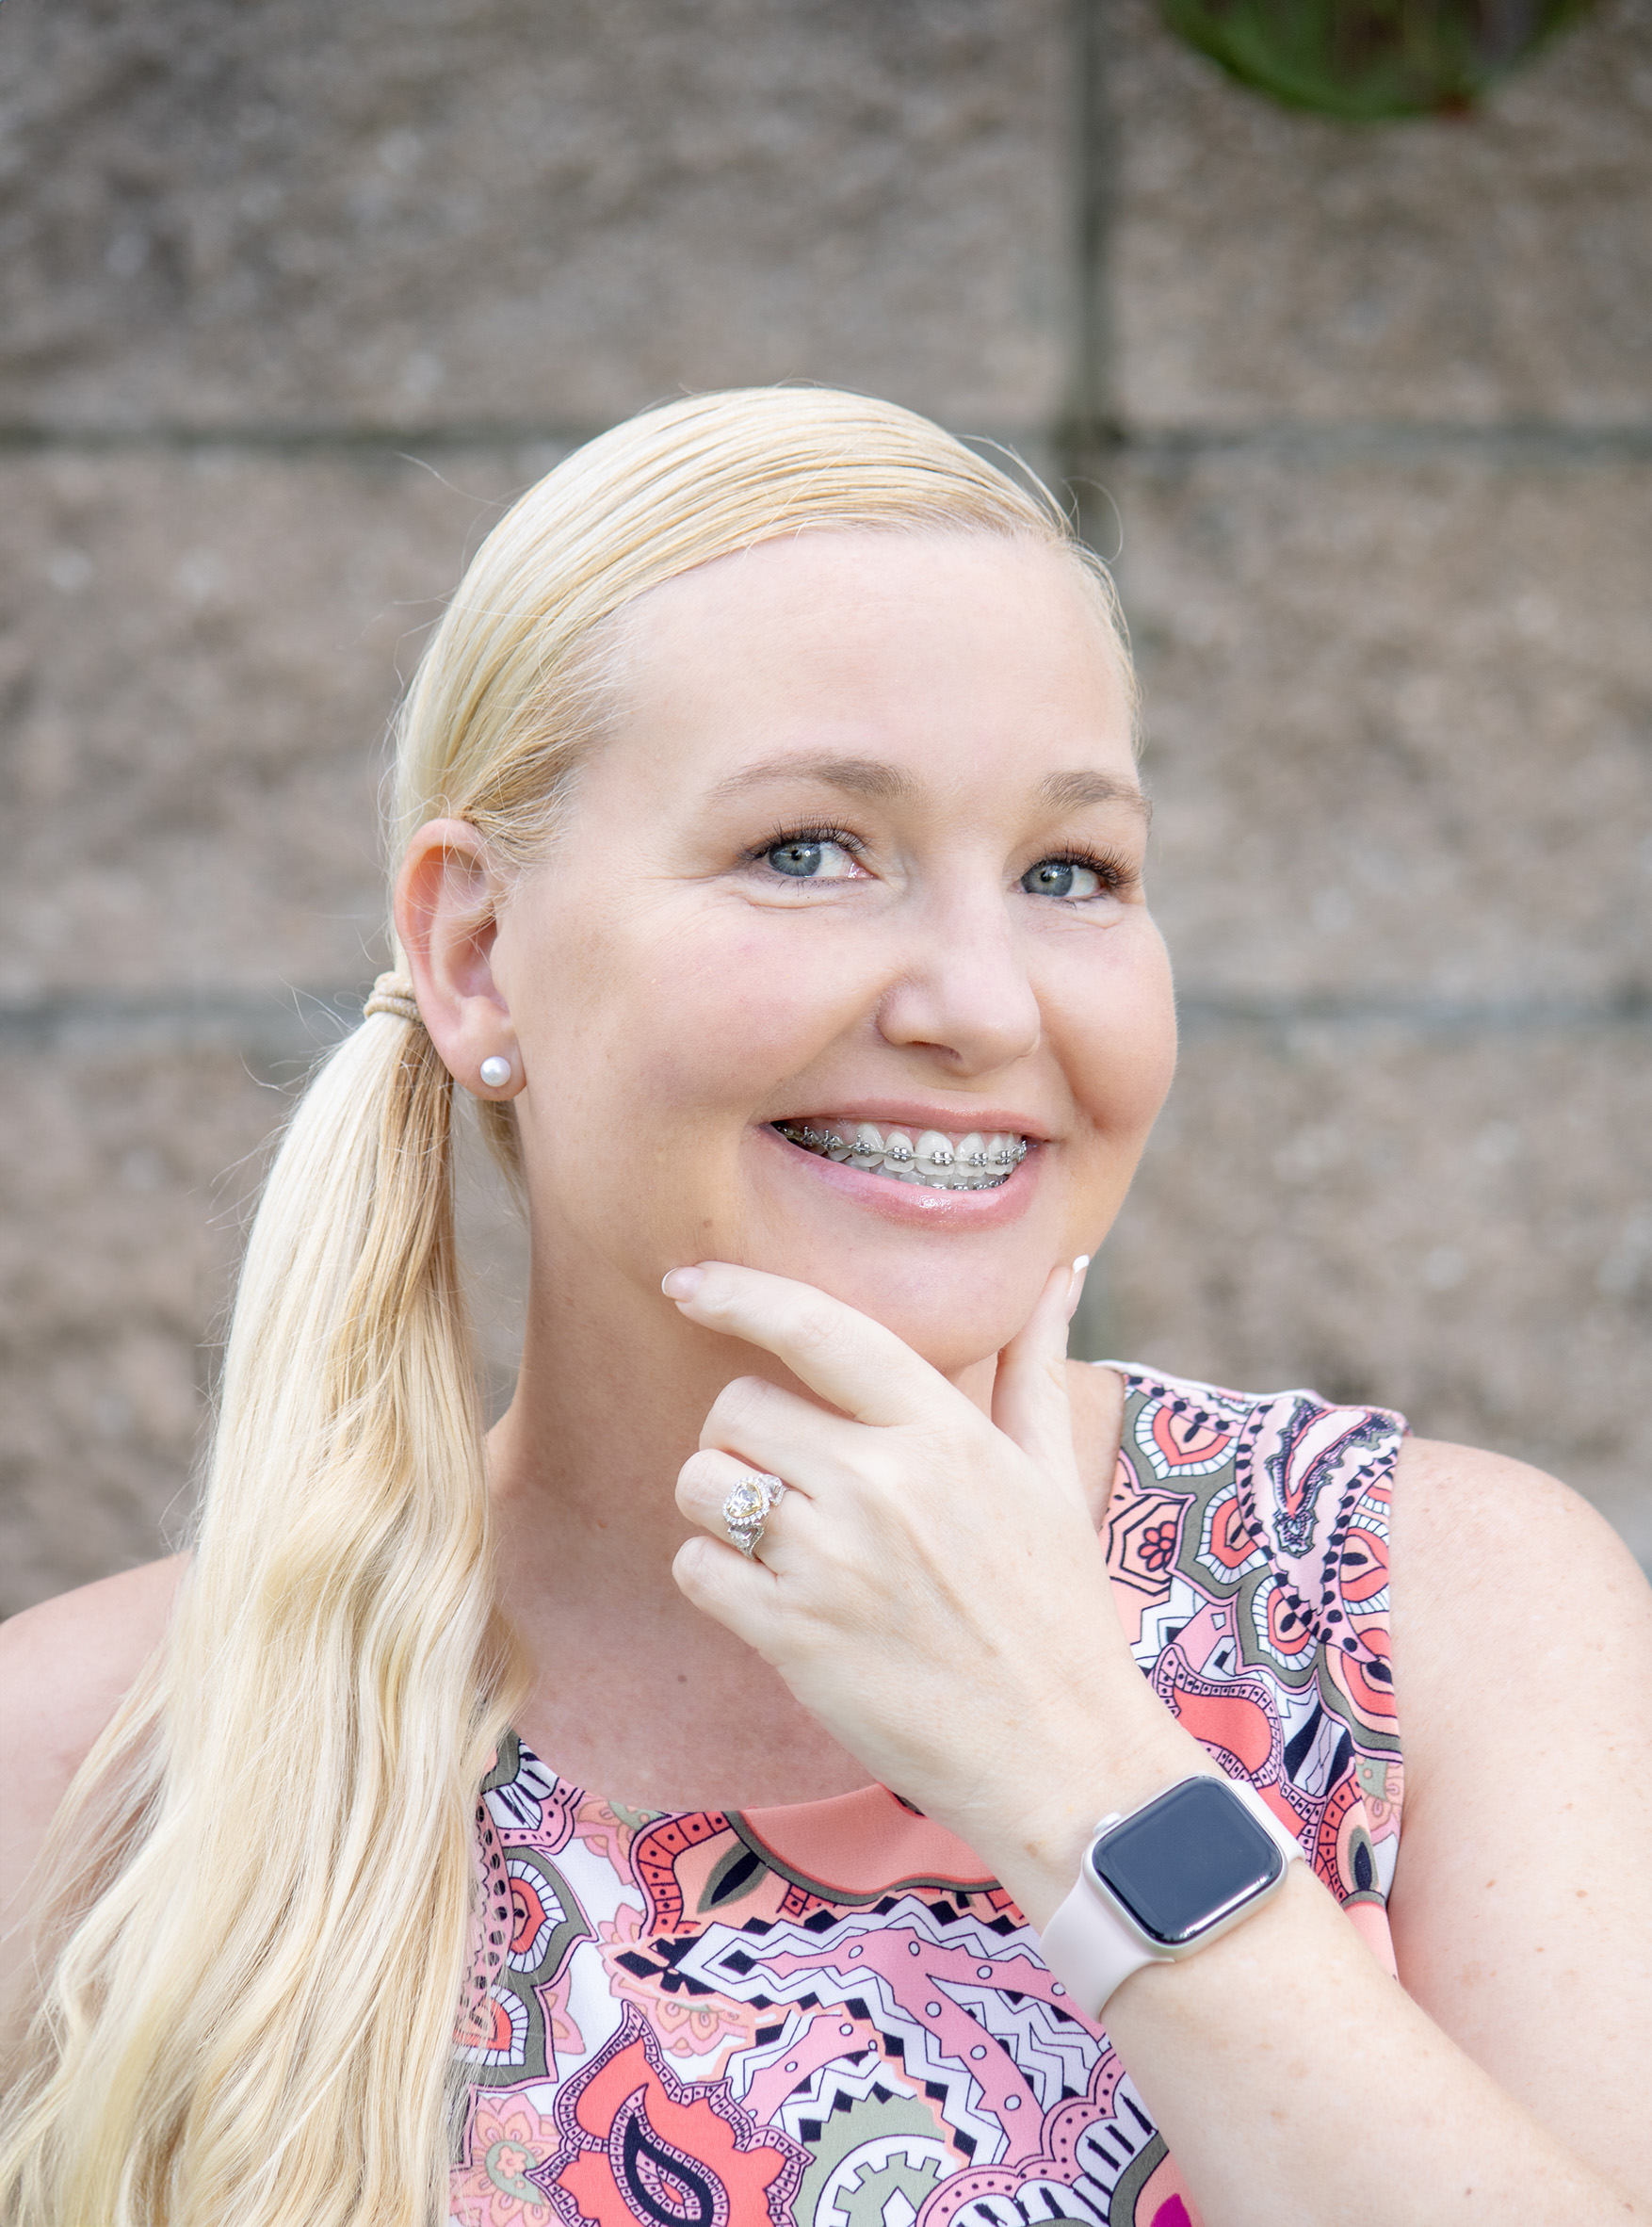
point(1159, 1883)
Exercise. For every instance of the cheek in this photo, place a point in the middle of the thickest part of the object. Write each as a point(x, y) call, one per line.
point(1119, 1030)
point(694, 1018)
point(748, 1009)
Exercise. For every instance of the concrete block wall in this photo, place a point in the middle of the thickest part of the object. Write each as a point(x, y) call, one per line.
point(1384, 489)
point(291, 300)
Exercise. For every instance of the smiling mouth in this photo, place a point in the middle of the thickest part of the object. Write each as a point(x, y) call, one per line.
point(935, 1161)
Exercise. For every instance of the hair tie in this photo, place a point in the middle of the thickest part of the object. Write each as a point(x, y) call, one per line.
point(393, 993)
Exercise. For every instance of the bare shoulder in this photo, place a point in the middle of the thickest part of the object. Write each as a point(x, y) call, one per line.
point(1449, 1493)
point(64, 1669)
point(1518, 1615)
point(1482, 1543)
point(1522, 1638)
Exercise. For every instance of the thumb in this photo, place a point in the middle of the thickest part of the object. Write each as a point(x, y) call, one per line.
point(1029, 1392)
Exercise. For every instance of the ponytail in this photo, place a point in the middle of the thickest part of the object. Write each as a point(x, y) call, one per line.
point(252, 2021)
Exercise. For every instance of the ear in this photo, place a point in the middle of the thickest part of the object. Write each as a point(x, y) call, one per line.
point(446, 923)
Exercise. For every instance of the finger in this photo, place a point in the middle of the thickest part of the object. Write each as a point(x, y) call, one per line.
point(772, 1429)
point(719, 1582)
point(703, 1485)
point(848, 1358)
point(1029, 1392)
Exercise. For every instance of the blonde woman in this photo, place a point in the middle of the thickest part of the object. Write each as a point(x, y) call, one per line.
point(681, 1809)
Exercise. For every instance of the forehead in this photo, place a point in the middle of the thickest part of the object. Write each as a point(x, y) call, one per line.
point(947, 656)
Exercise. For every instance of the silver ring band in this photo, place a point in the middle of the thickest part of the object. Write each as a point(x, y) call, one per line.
point(747, 1508)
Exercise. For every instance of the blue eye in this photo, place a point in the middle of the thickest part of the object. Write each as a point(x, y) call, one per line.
point(1062, 877)
point(801, 860)
point(809, 857)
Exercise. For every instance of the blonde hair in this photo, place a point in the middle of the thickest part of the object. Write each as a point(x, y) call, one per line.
point(263, 1876)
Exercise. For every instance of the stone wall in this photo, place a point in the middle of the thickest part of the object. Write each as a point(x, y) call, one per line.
point(292, 298)
point(1386, 491)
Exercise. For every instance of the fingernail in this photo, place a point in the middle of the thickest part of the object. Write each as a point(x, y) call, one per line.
point(1076, 1289)
point(682, 1283)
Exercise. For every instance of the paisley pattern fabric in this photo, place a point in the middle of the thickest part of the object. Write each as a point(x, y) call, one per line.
point(827, 2016)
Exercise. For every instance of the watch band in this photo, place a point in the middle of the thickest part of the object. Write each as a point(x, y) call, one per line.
point(1091, 1947)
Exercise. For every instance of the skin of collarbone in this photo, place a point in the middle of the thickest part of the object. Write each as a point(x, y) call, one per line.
point(931, 718)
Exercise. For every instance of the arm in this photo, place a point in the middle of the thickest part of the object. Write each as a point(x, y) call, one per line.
point(1520, 1911)
point(64, 1667)
point(1506, 2083)
point(927, 1554)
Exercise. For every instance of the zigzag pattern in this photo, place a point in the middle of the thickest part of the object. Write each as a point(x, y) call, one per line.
point(1052, 2052)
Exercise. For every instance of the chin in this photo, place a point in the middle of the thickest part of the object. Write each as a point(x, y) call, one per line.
point(952, 1312)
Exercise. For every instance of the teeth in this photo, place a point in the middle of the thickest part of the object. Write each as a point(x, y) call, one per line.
point(899, 1158)
point(934, 1158)
point(969, 1162)
point(974, 1163)
point(936, 1154)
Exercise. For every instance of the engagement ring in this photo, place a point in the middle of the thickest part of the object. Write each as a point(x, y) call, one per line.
point(746, 1508)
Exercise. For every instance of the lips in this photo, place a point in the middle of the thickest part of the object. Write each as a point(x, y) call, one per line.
point(938, 1159)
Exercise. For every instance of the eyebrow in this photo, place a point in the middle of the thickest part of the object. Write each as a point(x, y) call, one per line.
point(857, 776)
point(1065, 793)
point(885, 784)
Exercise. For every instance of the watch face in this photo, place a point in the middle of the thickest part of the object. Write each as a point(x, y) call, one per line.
point(1187, 1861)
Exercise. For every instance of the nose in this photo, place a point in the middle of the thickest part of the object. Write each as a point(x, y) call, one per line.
point(963, 993)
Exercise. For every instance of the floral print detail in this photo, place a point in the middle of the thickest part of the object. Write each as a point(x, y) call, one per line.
point(638, 2144)
point(515, 2016)
point(1158, 1545)
point(827, 2015)
point(608, 1828)
point(507, 2137)
point(702, 2025)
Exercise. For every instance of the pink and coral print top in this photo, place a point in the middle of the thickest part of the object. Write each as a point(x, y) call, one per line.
point(826, 2016)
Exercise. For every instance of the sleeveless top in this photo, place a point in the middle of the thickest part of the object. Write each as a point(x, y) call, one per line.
point(826, 2015)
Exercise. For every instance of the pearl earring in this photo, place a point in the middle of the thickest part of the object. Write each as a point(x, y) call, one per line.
point(495, 1072)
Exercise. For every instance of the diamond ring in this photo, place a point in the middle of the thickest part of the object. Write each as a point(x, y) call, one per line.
point(746, 1508)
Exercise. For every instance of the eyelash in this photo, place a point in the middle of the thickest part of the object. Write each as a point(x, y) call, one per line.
point(1113, 873)
point(781, 835)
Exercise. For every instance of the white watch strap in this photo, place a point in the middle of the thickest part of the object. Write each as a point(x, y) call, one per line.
point(1090, 1948)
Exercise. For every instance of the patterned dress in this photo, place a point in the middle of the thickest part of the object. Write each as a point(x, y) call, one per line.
point(826, 2016)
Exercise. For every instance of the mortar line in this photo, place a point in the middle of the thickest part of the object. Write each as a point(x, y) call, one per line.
point(307, 1020)
point(1626, 1007)
point(1516, 441)
point(1085, 431)
point(1084, 434)
point(178, 436)
point(373, 443)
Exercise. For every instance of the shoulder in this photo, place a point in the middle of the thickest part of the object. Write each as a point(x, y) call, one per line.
point(1512, 1596)
point(1449, 1498)
point(1522, 1634)
point(64, 1667)
point(66, 1663)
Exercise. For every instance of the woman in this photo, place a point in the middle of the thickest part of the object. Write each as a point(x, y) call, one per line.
point(769, 870)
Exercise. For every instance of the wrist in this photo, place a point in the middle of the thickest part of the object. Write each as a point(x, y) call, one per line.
point(1038, 1853)
point(1164, 1881)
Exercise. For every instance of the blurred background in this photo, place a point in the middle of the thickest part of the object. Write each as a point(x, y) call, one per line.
point(294, 297)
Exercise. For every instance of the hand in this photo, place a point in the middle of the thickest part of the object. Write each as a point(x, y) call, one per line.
point(932, 1589)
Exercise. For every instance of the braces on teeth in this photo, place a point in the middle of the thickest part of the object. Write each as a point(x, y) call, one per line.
point(977, 1163)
